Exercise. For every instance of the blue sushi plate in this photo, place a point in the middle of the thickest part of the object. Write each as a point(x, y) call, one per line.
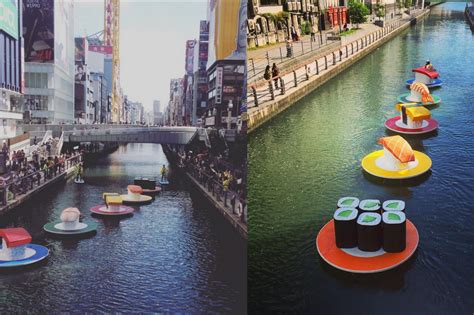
point(436, 83)
point(41, 253)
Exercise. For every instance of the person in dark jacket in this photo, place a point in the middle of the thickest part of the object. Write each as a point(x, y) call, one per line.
point(268, 74)
point(275, 74)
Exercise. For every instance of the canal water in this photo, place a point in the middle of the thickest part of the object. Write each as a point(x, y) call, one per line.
point(175, 255)
point(305, 159)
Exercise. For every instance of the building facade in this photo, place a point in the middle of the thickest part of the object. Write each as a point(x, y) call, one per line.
point(49, 61)
point(11, 68)
point(200, 75)
point(157, 113)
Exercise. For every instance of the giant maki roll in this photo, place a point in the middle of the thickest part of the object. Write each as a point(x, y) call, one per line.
point(369, 205)
point(393, 205)
point(348, 202)
point(345, 225)
point(394, 231)
point(369, 231)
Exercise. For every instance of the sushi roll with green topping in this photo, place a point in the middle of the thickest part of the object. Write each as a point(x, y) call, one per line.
point(370, 205)
point(394, 231)
point(393, 205)
point(369, 231)
point(345, 226)
point(348, 202)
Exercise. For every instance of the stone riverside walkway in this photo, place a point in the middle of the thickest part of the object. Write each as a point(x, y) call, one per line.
point(265, 101)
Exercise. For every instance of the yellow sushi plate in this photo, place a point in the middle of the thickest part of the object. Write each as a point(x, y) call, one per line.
point(369, 165)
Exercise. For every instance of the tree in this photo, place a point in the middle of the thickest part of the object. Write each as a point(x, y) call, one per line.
point(407, 4)
point(379, 10)
point(357, 12)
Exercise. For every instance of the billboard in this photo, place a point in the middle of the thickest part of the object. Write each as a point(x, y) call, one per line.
point(38, 30)
point(189, 62)
point(9, 17)
point(63, 35)
point(219, 83)
point(80, 59)
point(223, 28)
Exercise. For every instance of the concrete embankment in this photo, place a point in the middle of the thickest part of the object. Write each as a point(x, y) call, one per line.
point(325, 69)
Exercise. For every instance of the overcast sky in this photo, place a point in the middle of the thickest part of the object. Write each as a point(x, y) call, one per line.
point(153, 36)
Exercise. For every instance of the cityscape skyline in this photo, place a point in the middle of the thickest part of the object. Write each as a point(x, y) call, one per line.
point(135, 26)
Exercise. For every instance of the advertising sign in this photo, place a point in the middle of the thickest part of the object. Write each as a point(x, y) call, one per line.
point(219, 81)
point(38, 30)
point(203, 31)
point(9, 17)
point(190, 44)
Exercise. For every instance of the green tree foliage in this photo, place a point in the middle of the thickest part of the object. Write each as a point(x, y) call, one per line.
point(357, 12)
point(379, 10)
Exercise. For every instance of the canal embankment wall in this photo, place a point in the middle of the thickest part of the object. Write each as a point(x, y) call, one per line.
point(260, 114)
point(235, 212)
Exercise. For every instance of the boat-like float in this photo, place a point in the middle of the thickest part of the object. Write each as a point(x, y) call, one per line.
point(113, 206)
point(397, 160)
point(134, 196)
point(17, 250)
point(367, 242)
point(413, 119)
point(148, 185)
point(69, 224)
point(79, 180)
point(430, 77)
point(420, 94)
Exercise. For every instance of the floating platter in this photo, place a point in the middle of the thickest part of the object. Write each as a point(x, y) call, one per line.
point(38, 253)
point(403, 99)
point(373, 164)
point(83, 228)
point(102, 210)
point(436, 83)
point(357, 261)
point(395, 124)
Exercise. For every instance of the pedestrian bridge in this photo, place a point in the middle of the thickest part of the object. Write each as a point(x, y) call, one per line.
point(162, 135)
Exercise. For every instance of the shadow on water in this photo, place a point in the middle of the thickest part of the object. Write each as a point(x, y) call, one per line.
point(398, 183)
point(390, 280)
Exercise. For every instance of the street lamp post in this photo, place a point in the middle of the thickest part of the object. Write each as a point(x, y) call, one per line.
point(229, 115)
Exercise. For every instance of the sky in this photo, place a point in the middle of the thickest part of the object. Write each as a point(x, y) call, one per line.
point(153, 36)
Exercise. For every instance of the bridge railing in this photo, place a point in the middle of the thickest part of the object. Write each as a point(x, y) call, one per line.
point(10, 189)
point(267, 91)
point(230, 200)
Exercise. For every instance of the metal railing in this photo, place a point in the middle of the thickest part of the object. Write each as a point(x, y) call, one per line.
point(268, 90)
point(25, 184)
point(284, 54)
point(229, 200)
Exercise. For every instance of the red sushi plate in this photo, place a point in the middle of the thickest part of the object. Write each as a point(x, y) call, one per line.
point(336, 257)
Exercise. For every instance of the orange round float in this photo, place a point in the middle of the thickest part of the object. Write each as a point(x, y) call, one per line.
point(356, 261)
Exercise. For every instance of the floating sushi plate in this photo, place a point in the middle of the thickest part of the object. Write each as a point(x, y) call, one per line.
point(436, 83)
point(34, 253)
point(396, 124)
point(151, 192)
point(132, 201)
point(58, 228)
point(79, 181)
point(403, 99)
point(103, 210)
point(358, 261)
point(375, 165)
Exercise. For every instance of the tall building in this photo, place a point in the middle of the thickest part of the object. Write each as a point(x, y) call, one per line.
point(157, 113)
point(200, 74)
point(49, 60)
point(226, 66)
point(11, 68)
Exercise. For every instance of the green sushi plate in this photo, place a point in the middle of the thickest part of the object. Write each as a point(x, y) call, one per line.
point(403, 99)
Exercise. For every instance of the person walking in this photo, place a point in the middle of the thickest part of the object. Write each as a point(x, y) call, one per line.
point(289, 49)
point(275, 74)
point(313, 32)
point(268, 74)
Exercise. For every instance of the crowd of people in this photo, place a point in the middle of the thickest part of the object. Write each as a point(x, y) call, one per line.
point(215, 168)
point(24, 172)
